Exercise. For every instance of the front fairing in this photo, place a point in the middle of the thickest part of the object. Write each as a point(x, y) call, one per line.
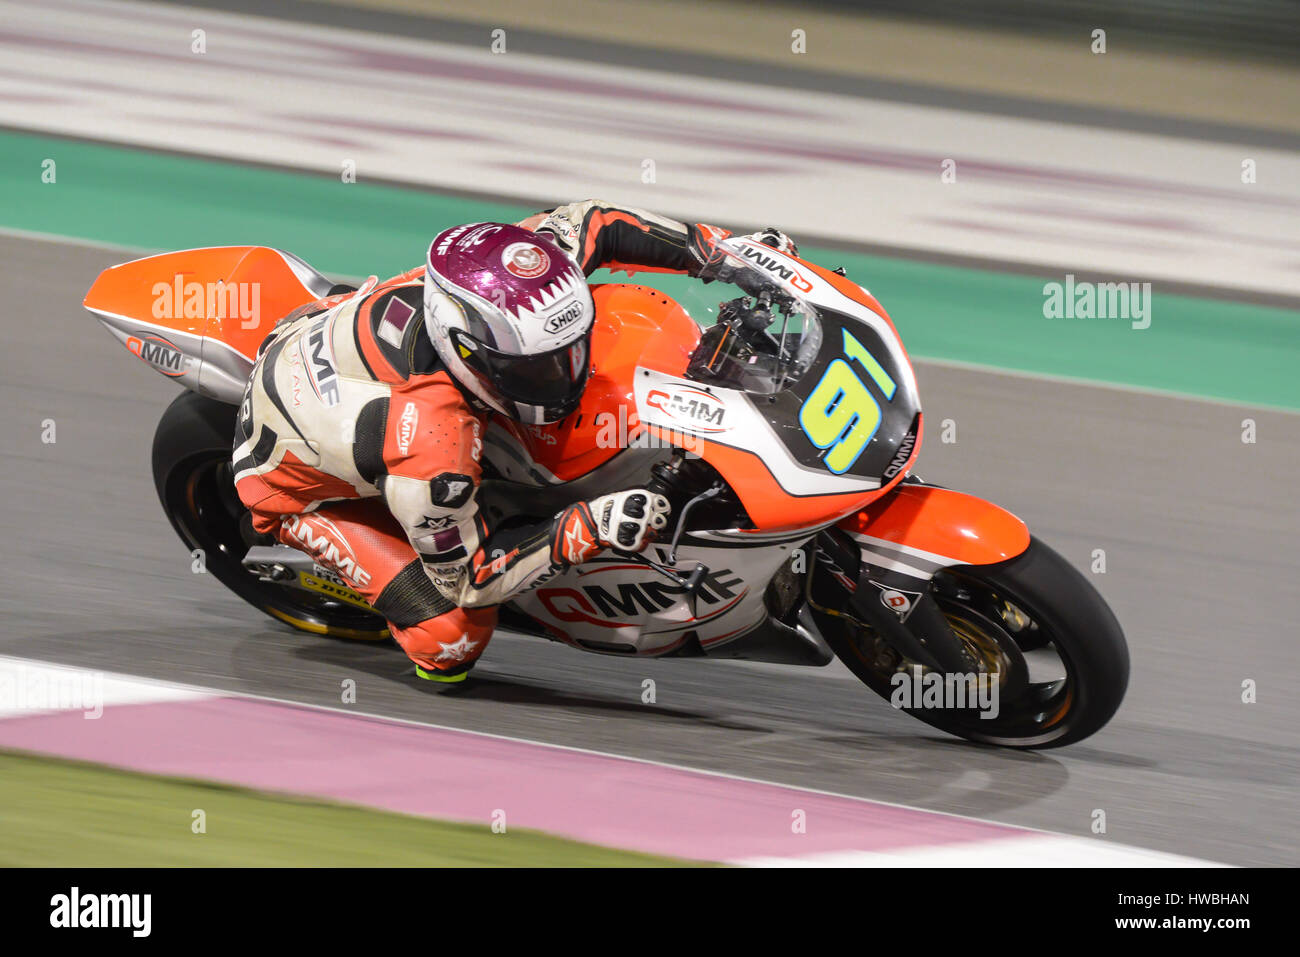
point(829, 428)
point(846, 414)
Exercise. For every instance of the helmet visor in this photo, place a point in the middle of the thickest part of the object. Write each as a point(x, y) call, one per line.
point(553, 380)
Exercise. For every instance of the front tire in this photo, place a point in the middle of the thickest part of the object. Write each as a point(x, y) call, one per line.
point(1035, 604)
point(193, 476)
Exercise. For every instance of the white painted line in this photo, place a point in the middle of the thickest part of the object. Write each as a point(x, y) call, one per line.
point(44, 237)
point(1033, 850)
point(35, 687)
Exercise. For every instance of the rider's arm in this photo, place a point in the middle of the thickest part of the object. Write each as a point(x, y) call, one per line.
point(596, 233)
point(429, 476)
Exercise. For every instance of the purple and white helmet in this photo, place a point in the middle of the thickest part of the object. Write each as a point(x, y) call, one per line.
point(510, 315)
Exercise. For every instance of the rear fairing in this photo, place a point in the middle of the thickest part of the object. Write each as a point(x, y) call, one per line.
point(198, 316)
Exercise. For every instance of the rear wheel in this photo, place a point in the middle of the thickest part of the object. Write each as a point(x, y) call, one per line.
point(191, 469)
point(1033, 625)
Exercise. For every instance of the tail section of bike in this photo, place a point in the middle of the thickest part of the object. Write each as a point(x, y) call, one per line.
point(199, 315)
point(946, 605)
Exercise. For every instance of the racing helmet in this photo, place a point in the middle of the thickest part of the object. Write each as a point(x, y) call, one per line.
point(510, 315)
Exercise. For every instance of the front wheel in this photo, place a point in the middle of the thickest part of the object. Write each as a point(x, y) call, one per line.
point(191, 470)
point(1033, 626)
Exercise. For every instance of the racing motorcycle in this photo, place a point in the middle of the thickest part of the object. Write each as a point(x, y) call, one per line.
point(784, 433)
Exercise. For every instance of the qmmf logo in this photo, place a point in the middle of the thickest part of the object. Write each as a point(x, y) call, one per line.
point(163, 354)
point(693, 408)
point(317, 352)
point(406, 428)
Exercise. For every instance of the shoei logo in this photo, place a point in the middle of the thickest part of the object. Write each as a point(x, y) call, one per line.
point(406, 428)
point(564, 318)
point(525, 260)
point(163, 355)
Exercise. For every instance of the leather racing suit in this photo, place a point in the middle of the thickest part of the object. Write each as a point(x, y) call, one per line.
point(354, 445)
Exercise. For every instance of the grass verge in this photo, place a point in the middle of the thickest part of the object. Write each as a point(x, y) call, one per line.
point(56, 813)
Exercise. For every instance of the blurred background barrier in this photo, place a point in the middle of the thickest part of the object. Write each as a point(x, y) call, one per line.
point(899, 54)
point(891, 147)
point(1255, 27)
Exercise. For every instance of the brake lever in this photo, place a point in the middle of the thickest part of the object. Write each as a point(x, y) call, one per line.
point(695, 579)
point(708, 493)
point(689, 583)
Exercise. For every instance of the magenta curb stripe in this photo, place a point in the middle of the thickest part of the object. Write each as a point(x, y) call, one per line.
point(462, 776)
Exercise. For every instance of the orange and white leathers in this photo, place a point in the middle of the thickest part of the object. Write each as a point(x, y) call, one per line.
point(348, 404)
point(346, 453)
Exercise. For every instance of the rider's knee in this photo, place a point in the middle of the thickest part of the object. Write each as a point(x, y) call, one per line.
point(450, 642)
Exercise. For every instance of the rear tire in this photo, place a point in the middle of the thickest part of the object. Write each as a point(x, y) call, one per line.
point(1068, 617)
point(192, 473)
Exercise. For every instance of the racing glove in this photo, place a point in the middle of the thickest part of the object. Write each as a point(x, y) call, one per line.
point(626, 521)
point(771, 236)
point(718, 265)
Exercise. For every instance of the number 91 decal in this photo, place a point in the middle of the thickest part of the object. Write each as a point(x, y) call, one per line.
point(840, 414)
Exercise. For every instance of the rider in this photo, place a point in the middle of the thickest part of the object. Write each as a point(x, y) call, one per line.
point(360, 433)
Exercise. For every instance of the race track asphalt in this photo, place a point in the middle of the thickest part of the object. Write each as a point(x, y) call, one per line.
point(1198, 530)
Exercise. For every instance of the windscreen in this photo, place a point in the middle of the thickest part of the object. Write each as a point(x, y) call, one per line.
point(763, 338)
